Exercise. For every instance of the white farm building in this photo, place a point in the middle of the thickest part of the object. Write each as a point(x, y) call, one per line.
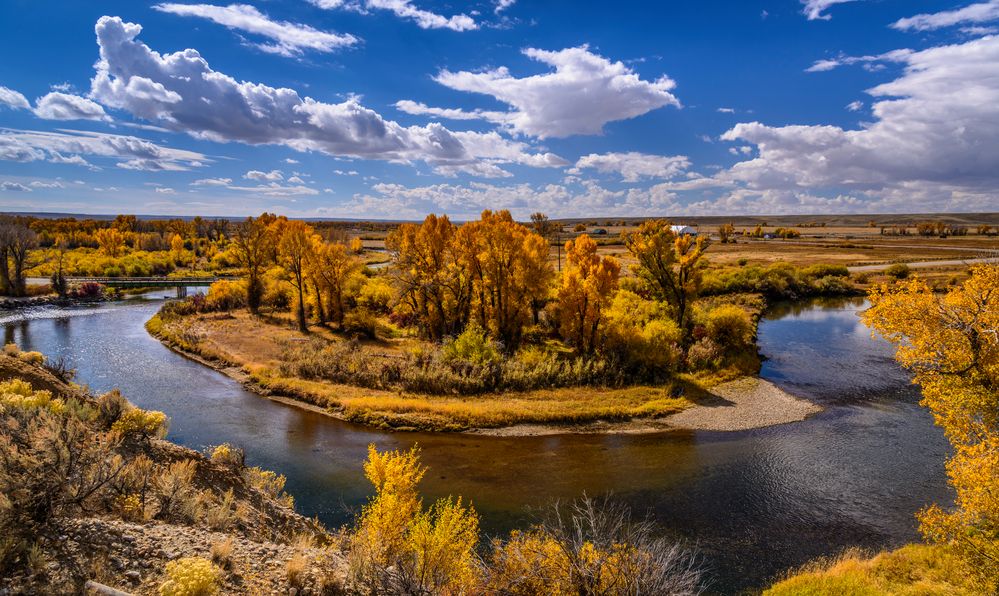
point(682, 230)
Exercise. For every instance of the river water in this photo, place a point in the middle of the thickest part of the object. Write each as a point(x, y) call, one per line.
point(755, 503)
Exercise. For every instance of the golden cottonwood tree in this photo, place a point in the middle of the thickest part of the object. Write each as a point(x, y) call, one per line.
point(508, 265)
point(951, 344)
point(110, 241)
point(253, 244)
point(330, 266)
point(669, 264)
point(433, 280)
point(725, 232)
point(588, 285)
point(295, 247)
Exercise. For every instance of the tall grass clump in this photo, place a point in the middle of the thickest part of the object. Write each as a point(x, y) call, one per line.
point(779, 280)
point(464, 366)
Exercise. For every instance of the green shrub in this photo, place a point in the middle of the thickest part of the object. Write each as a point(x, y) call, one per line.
point(473, 346)
point(898, 271)
point(431, 371)
point(824, 270)
point(777, 280)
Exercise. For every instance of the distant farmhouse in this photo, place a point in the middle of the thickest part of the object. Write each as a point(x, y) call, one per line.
point(683, 230)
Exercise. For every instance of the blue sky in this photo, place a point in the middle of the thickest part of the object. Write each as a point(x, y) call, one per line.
point(395, 108)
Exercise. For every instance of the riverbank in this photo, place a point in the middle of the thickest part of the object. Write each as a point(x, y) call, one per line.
point(133, 506)
point(50, 300)
point(249, 350)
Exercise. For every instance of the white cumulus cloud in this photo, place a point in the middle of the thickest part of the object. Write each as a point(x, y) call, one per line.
point(936, 128)
point(13, 99)
point(9, 186)
point(634, 166)
point(63, 106)
point(815, 9)
point(181, 92)
point(68, 147)
point(272, 176)
point(584, 92)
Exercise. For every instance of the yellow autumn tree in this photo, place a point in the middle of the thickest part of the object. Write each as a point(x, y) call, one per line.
point(588, 285)
point(508, 266)
point(669, 264)
point(725, 232)
point(110, 241)
point(950, 343)
point(330, 267)
point(295, 247)
point(398, 547)
point(433, 281)
point(356, 245)
point(253, 244)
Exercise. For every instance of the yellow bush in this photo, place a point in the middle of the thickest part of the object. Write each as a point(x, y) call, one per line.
point(33, 357)
point(376, 295)
point(225, 295)
point(144, 423)
point(190, 576)
point(528, 563)
point(130, 507)
point(270, 483)
point(18, 393)
point(228, 455)
point(730, 326)
point(395, 539)
point(11, 349)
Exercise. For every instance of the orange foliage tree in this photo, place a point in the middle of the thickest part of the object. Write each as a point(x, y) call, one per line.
point(111, 241)
point(330, 267)
point(253, 244)
point(508, 265)
point(433, 280)
point(588, 285)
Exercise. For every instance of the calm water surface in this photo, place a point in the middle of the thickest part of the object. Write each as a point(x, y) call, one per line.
point(756, 503)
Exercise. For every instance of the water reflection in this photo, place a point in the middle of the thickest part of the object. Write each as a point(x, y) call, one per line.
point(756, 502)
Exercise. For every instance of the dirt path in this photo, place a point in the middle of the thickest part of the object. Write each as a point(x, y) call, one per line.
point(923, 264)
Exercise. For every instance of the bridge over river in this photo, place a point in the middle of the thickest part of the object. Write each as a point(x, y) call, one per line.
point(181, 283)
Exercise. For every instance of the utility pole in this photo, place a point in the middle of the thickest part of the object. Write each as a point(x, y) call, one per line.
point(558, 243)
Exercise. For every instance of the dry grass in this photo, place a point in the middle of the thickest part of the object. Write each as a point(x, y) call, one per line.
point(575, 405)
point(221, 553)
point(295, 570)
point(914, 569)
point(256, 346)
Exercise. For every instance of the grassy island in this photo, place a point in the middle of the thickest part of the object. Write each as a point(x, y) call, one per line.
point(478, 327)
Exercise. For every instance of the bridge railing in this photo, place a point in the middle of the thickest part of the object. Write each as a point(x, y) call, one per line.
point(150, 280)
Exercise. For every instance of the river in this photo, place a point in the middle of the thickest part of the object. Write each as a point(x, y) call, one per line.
point(755, 503)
